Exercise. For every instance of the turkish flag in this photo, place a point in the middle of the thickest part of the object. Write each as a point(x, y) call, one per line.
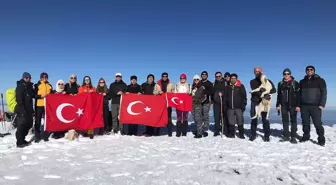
point(141, 109)
point(180, 101)
point(80, 112)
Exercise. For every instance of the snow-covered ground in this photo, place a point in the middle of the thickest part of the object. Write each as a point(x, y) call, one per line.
point(161, 160)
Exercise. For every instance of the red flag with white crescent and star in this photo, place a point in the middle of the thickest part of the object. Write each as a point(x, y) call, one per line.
point(141, 109)
point(80, 112)
point(180, 101)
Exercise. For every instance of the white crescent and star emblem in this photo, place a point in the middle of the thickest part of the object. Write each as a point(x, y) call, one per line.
point(129, 108)
point(60, 115)
point(174, 100)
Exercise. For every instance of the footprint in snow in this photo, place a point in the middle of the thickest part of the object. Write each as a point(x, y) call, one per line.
point(11, 177)
point(52, 177)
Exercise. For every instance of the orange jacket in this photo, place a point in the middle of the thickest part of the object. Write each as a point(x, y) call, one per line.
point(86, 89)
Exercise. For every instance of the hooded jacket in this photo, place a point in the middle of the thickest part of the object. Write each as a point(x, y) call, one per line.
point(219, 86)
point(235, 96)
point(288, 93)
point(115, 87)
point(42, 88)
point(24, 94)
point(313, 91)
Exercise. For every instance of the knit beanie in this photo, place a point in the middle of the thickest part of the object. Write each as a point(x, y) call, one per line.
point(196, 77)
point(310, 66)
point(164, 74)
point(226, 74)
point(287, 71)
point(184, 76)
point(134, 77)
point(151, 75)
point(234, 74)
point(25, 75)
point(205, 72)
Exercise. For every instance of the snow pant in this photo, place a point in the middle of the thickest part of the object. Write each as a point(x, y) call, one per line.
point(182, 122)
point(235, 116)
point(24, 123)
point(218, 119)
point(286, 113)
point(206, 116)
point(170, 123)
point(39, 112)
point(133, 129)
point(106, 115)
point(254, 122)
point(115, 121)
point(315, 113)
point(198, 118)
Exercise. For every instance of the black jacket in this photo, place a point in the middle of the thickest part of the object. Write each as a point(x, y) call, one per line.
point(288, 94)
point(115, 87)
point(313, 91)
point(24, 94)
point(255, 83)
point(136, 88)
point(147, 88)
point(198, 94)
point(71, 90)
point(235, 96)
point(219, 86)
point(208, 90)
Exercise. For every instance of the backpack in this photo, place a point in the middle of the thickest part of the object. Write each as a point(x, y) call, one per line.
point(11, 99)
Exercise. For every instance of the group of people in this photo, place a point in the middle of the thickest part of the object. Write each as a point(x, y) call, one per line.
point(227, 95)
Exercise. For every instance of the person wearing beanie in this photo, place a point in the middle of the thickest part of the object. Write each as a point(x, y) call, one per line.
point(182, 116)
point(24, 94)
point(313, 99)
point(117, 88)
point(148, 88)
point(235, 102)
point(255, 100)
point(198, 97)
point(227, 77)
point(218, 107)
point(42, 89)
point(72, 86)
point(134, 88)
point(288, 102)
point(207, 103)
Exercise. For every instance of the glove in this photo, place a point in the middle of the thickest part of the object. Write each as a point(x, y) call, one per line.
point(267, 97)
point(262, 90)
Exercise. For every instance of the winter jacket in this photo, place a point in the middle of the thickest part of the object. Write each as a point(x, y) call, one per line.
point(208, 88)
point(136, 88)
point(288, 93)
point(313, 91)
point(86, 89)
point(255, 83)
point(219, 86)
point(148, 88)
point(235, 96)
point(42, 88)
point(164, 86)
point(24, 94)
point(115, 87)
point(71, 88)
point(182, 88)
point(198, 94)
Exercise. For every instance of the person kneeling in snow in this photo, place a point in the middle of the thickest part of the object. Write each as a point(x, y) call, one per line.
point(198, 97)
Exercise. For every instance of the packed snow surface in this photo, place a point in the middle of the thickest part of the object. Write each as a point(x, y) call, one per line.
point(116, 159)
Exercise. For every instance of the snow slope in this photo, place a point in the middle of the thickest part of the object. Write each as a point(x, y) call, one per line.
point(161, 160)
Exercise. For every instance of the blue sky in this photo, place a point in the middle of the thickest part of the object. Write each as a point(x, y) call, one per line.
point(100, 38)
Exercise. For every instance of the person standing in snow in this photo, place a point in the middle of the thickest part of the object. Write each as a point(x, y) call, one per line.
point(219, 88)
point(59, 90)
point(165, 86)
point(24, 94)
point(42, 89)
point(313, 99)
point(72, 87)
point(182, 116)
point(255, 100)
point(87, 87)
point(134, 88)
point(288, 101)
point(198, 97)
point(208, 88)
point(103, 90)
point(116, 89)
point(235, 101)
point(148, 88)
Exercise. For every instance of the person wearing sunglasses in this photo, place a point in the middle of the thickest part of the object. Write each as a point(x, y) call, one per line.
point(134, 88)
point(182, 116)
point(72, 87)
point(42, 89)
point(60, 86)
point(102, 89)
point(24, 109)
point(165, 86)
point(198, 97)
point(288, 102)
point(313, 99)
point(208, 88)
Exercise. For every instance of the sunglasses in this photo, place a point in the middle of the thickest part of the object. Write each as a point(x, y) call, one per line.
point(44, 77)
point(27, 78)
point(286, 74)
point(164, 76)
point(102, 82)
point(204, 74)
point(73, 78)
point(218, 76)
point(87, 80)
point(196, 79)
point(182, 78)
point(310, 69)
point(60, 84)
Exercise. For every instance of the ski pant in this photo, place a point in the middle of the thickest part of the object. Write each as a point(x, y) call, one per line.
point(218, 118)
point(286, 113)
point(206, 116)
point(234, 116)
point(115, 113)
point(38, 118)
point(182, 115)
point(198, 118)
point(170, 123)
point(106, 115)
point(254, 122)
point(315, 113)
point(133, 129)
point(24, 123)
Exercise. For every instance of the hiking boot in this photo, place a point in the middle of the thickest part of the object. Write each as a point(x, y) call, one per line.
point(241, 132)
point(22, 145)
point(293, 140)
point(205, 134)
point(184, 128)
point(284, 139)
point(37, 138)
point(252, 138)
point(266, 139)
point(241, 136)
point(198, 136)
point(178, 128)
point(304, 139)
point(91, 136)
point(216, 134)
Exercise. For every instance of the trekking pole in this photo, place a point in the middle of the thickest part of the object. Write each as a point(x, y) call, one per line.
point(222, 115)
